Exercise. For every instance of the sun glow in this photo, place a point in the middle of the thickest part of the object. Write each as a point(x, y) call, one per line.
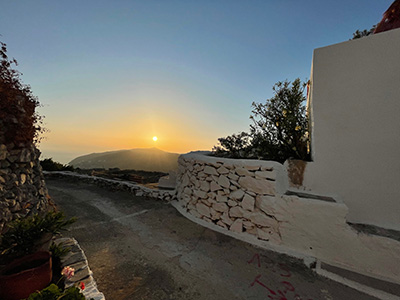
point(155, 138)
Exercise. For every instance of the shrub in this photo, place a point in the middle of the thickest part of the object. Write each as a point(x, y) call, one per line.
point(49, 165)
point(279, 130)
point(19, 124)
point(24, 234)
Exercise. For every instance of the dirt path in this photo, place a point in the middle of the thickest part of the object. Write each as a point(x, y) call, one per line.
point(140, 248)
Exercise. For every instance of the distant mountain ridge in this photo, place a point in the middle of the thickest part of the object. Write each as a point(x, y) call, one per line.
point(146, 159)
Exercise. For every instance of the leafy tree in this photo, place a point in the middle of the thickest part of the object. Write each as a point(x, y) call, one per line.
point(19, 123)
point(279, 130)
point(237, 145)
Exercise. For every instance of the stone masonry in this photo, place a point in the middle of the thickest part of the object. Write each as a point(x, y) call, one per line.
point(230, 195)
point(22, 187)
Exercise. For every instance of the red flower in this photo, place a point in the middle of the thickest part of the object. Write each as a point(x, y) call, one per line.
point(82, 285)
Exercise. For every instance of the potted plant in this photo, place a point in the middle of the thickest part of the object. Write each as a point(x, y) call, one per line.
point(27, 264)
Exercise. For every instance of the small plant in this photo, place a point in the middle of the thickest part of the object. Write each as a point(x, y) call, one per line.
point(25, 235)
point(54, 292)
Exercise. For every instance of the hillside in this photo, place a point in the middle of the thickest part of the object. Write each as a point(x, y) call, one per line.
point(146, 159)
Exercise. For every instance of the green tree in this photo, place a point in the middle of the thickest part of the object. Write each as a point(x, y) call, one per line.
point(279, 130)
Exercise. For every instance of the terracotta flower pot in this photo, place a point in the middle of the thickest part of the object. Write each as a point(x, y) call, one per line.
point(26, 275)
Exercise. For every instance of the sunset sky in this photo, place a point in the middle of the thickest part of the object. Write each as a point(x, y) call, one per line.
point(113, 74)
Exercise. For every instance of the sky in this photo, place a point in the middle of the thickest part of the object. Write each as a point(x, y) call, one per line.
point(111, 75)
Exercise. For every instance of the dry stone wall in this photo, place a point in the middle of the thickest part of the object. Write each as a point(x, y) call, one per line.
point(117, 185)
point(249, 197)
point(232, 193)
point(22, 187)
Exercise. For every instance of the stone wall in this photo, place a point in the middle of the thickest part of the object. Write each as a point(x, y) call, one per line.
point(250, 198)
point(232, 193)
point(22, 187)
point(118, 185)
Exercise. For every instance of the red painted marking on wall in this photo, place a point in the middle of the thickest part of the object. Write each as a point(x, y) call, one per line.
point(254, 257)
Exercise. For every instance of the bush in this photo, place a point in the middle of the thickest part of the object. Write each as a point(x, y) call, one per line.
point(49, 165)
point(24, 234)
point(279, 130)
point(19, 124)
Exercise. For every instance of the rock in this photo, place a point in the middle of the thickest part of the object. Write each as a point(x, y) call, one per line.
point(252, 167)
point(259, 186)
point(222, 198)
point(252, 231)
point(185, 180)
point(195, 213)
point(266, 174)
point(248, 202)
point(243, 172)
point(200, 194)
point(226, 219)
point(222, 224)
point(232, 203)
point(215, 215)
point(237, 195)
point(223, 181)
point(187, 191)
point(203, 209)
point(205, 186)
point(211, 195)
point(221, 207)
point(3, 152)
point(201, 175)
point(233, 176)
point(22, 178)
point(262, 235)
point(207, 219)
point(237, 226)
point(214, 186)
point(222, 170)
point(206, 202)
point(236, 212)
point(2, 180)
point(233, 188)
point(266, 204)
point(261, 219)
point(248, 225)
point(210, 170)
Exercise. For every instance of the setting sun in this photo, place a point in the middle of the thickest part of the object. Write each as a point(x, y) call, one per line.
point(155, 138)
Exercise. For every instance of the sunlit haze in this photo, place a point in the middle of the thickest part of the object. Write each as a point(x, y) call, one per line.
point(118, 74)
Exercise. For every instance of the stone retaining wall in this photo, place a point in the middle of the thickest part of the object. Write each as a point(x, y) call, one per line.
point(22, 187)
point(232, 193)
point(248, 198)
point(135, 189)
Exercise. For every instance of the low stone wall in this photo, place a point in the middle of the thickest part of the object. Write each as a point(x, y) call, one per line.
point(135, 189)
point(232, 193)
point(77, 259)
point(249, 198)
point(22, 187)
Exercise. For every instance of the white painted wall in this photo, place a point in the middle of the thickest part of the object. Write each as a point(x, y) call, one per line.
point(355, 114)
